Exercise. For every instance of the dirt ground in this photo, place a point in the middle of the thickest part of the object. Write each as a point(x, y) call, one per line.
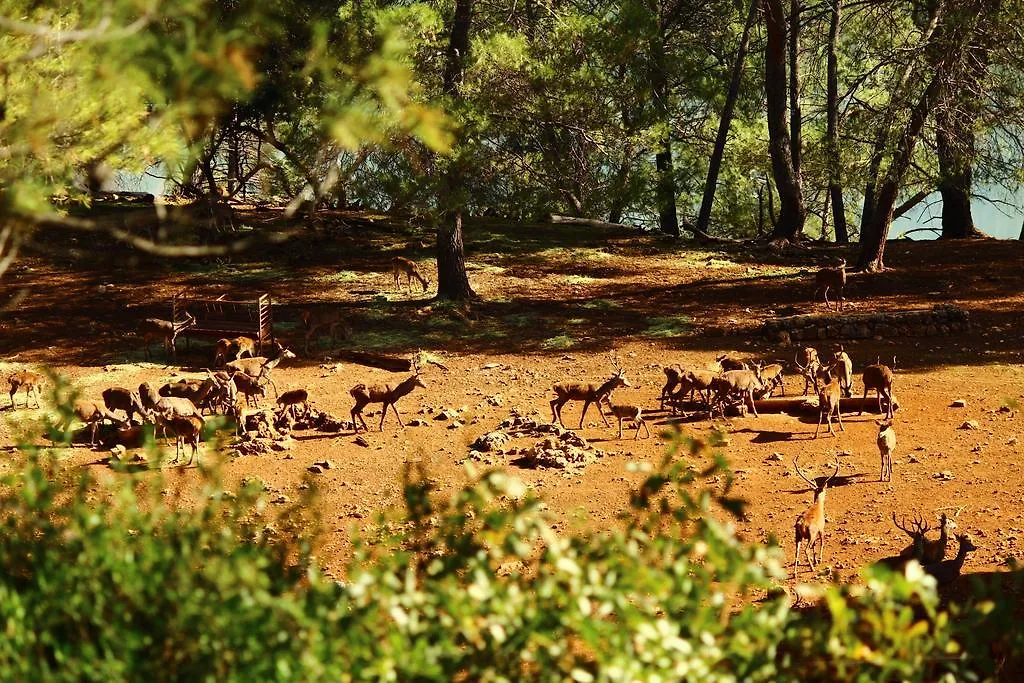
point(555, 301)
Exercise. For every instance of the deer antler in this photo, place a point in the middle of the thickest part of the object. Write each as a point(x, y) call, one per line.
point(415, 362)
point(615, 362)
point(796, 359)
point(834, 473)
point(812, 484)
point(920, 526)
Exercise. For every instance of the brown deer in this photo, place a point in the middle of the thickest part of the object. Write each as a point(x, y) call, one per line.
point(289, 401)
point(879, 378)
point(245, 347)
point(809, 368)
point(674, 375)
point(810, 526)
point(828, 401)
point(923, 549)
point(834, 279)
point(729, 363)
point(167, 330)
point(386, 394)
point(119, 398)
point(401, 265)
point(914, 551)
point(886, 445)
point(628, 412)
point(188, 429)
point(30, 382)
point(260, 366)
point(588, 393)
point(91, 413)
point(771, 378)
point(316, 319)
point(742, 382)
point(844, 369)
point(948, 571)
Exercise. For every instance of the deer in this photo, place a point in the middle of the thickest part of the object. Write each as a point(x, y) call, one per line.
point(167, 330)
point(832, 278)
point(914, 551)
point(628, 412)
point(927, 551)
point(810, 526)
point(401, 265)
point(258, 366)
point(947, 571)
point(384, 394)
point(771, 378)
point(886, 445)
point(165, 406)
point(187, 429)
point(728, 363)
point(829, 397)
point(588, 393)
point(30, 382)
point(700, 381)
point(674, 375)
point(879, 378)
point(809, 368)
point(91, 413)
point(742, 382)
point(253, 388)
point(119, 398)
point(844, 368)
point(315, 319)
point(290, 400)
point(244, 347)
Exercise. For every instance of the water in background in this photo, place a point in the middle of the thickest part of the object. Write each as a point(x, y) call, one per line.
point(1001, 217)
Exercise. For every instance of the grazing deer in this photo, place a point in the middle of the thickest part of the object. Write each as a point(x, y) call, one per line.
point(809, 368)
point(30, 382)
point(167, 330)
point(923, 549)
point(401, 265)
point(119, 398)
point(810, 526)
point(290, 400)
point(91, 413)
point(700, 381)
point(948, 571)
point(245, 347)
point(316, 319)
point(742, 382)
point(728, 363)
point(886, 445)
point(771, 378)
point(828, 401)
point(628, 412)
point(844, 369)
point(188, 430)
point(588, 393)
point(674, 375)
point(834, 279)
point(385, 394)
point(879, 378)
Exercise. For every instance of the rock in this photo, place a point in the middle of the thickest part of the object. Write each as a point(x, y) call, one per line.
point(456, 424)
point(285, 444)
point(417, 422)
point(315, 469)
point(969, 424)
point(447, 414)
point(944, 475)
point(490, 366)
point(490, 441)
point(774, 457)
point(360, 441)
point(281, 499)
point(495, 400)
point(958, 403)
point(118, 452)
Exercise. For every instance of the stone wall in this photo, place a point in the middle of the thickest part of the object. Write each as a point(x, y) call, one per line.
point(941, 320)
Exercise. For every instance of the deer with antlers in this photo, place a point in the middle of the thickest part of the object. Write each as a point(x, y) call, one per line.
point(385, 394)
point(810, 526)
point(809, 368)
point(588, 393)
point(922, 548)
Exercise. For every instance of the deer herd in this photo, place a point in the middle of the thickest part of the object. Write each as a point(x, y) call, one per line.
point(240, 379)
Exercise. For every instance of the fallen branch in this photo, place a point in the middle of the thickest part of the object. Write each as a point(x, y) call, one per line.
point(592, 222)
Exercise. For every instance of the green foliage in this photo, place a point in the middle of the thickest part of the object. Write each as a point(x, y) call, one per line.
point(108, 579)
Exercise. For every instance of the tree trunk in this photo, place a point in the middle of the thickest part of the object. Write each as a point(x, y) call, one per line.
point(792, 212)
point(715, 164)
point(795, 116)
point(452, 280)
point(668, 219)
point(835, 174)
point(955, 147)
point(876, 232)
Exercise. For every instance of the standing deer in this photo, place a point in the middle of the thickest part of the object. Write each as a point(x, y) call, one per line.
point(628, 412)
point(809, 368)
point(886, 445)
point(187, 429)
point(167, 330)
point(259, 366)
point(385, 394)
point(401, 265)
point(844, 368)
point(948, 571)
point(879, 378)
point(810, 526)
point(674, 375)
point(30, 381)
point(828, 401)
point(771, 378)
point(921, 548)
point(834, 279)
point(588, 393)
point(316, 319)
point(914, 551)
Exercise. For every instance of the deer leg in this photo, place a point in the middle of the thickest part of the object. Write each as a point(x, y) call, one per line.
point(556, 412)
point(750, 396)
point(796, 558)
point(839, 416)
point(809, 554)
point(821, 414)
point(647, 429)
point(586, 404)
point(601, 412)
point(13, 392)
point(863, 400)
point(827, 305)
point(383, 414)
point(395, 408)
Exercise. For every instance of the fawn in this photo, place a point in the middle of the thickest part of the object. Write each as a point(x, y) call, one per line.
point(879, 377)
point(30, 381)
point(401, 265)
point(628, 412)
point(886, 445)
point(828, 401)
point(167, 330)
point(834, 279)
point(809, 368)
